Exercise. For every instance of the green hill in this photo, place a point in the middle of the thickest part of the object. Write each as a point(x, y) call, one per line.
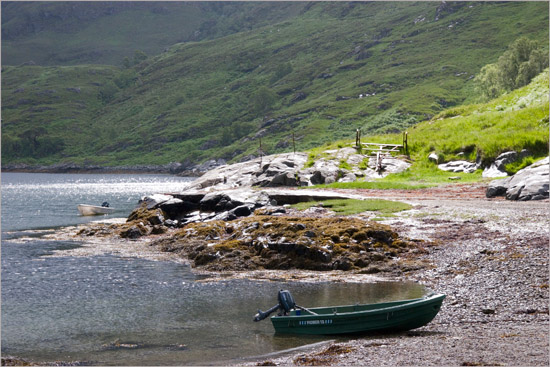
point(478, 132)
point(320, 73)
point(101, 32)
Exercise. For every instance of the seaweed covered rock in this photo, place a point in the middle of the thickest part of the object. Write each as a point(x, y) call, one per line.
point(143, 214)
point(135, 231)
point(288, 242)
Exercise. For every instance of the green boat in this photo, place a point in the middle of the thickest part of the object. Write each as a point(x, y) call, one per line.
point(362, 318)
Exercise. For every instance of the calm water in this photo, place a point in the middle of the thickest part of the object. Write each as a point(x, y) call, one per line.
point(116, 311)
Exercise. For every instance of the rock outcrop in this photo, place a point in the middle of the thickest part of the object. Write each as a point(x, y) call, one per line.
point(497, 168)
point(296, 169)
point(180, 209)
point(269, 241)
point(530, 183)
point(459, 166)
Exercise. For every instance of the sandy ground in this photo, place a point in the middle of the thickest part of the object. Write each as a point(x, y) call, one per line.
point(491, 260)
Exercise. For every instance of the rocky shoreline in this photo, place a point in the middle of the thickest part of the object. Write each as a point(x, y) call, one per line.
point(491, 260)
point(489, 256)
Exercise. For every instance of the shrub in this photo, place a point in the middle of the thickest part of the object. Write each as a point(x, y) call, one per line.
point(523, 60)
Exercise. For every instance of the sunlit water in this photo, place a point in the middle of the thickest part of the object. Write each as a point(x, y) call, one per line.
point(117, 311)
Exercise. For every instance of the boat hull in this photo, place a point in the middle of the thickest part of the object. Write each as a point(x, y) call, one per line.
point(381, 317)
point(85, 209)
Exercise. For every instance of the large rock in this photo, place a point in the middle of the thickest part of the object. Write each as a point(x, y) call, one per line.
point(497, 188)
point(322, 172)
point(279, 171)
point(217, 202)
point(153, 201)
point(530, 183)
point(458, 166)
point(497, 169)
point(257, 172)
point(289, 169)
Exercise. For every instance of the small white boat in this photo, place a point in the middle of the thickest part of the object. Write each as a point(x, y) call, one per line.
point(86, 209)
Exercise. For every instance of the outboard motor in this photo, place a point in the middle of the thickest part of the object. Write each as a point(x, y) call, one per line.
point(286, 304)
point(286, 301)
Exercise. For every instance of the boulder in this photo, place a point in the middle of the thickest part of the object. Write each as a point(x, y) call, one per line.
point(323, 172)
point(458, 166)
point(210, 201)
point(349, 177)
point(530, 183)
point(497, 169)
point(226, 203)
point(134, 232)
point(154, 201)
point(492, 172)
point(497, 188)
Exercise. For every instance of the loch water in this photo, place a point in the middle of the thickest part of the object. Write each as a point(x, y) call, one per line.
point(109, 310)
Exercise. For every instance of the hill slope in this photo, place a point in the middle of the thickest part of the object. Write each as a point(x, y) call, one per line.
point(321, 74)
point(101, 32)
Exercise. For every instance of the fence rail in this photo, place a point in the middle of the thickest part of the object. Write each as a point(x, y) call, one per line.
point(381, 151)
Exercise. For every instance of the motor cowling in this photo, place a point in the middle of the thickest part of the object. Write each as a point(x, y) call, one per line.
point(286, 301)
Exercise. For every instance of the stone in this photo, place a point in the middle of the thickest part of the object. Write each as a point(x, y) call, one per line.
point(177, 208)
point(156, 218)
point(153, 201)
point(171, 223)
point(497, 168)
point(225, 204)
point(349, 177)
point(458, 166)
point(530, 183)
point(488, 311)
point(210, 201)
point(317, 178)
point(242, 211)
point(497, 188)
point(433, 157)
point(493, 172)
point(132, 233)
point(282, 179)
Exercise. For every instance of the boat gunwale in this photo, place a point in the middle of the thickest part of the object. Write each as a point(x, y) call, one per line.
point(413, 302)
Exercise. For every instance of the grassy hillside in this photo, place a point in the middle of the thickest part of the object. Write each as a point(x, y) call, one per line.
point(515, 121)
point(71, 33)
point(335, 67)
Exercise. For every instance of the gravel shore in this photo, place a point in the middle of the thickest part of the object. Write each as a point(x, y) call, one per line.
point(489, 256)
point(491, 260)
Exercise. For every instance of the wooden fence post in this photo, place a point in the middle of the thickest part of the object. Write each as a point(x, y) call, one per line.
point(261, 152)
